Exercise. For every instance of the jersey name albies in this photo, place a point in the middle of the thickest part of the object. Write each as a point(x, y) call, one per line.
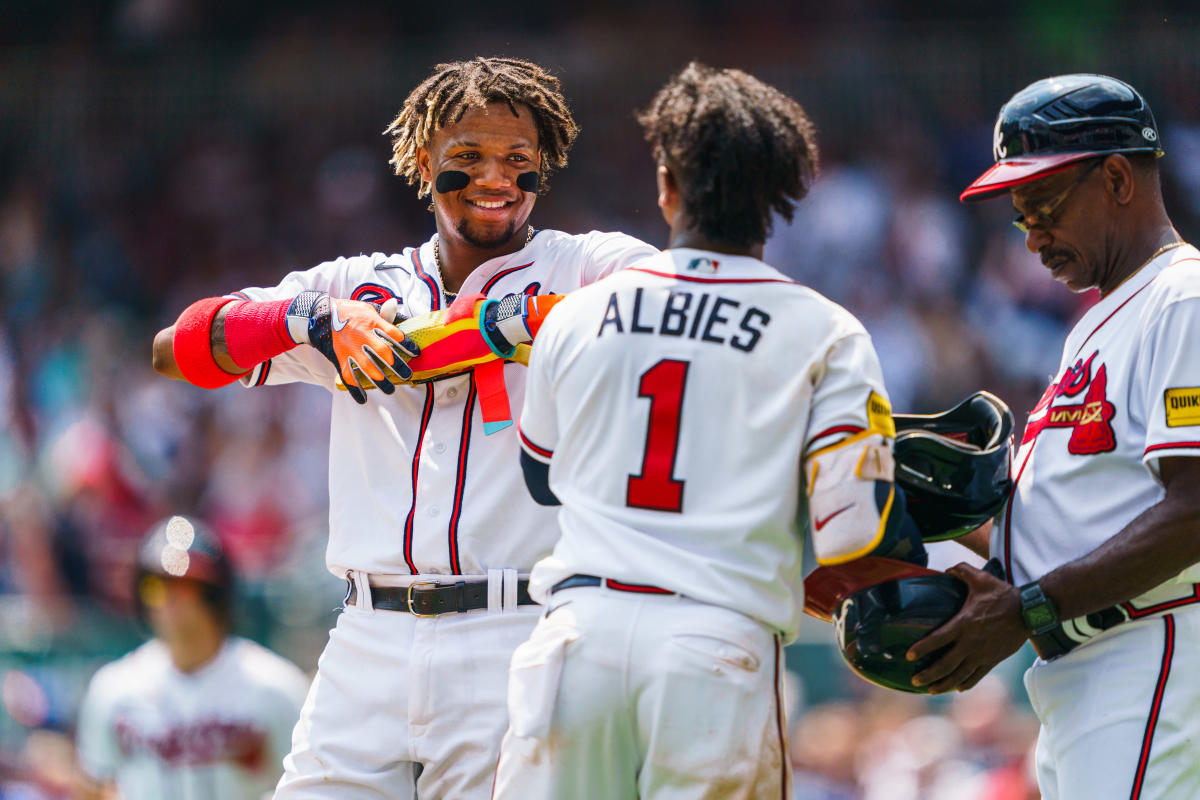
point(681, 450)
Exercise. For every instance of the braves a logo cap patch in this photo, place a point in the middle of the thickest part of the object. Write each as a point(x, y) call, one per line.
point(1183, 406)
point(879, 415)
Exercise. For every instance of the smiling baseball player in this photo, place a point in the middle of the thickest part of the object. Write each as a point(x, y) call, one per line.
point(1099, 537)
point(679, 410)
point(429, 520)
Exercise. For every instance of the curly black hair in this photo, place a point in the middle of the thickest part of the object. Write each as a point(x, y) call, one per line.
point(739, 148)
point(452, 89)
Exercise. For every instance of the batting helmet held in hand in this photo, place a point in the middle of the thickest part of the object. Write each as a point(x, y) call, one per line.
point(181, 548)
point(875, 626)
point(1053, 123)
point(954, 466)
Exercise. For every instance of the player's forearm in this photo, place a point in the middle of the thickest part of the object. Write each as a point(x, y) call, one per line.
point(978, 541)
point(164, 350)
point(1154, 547)
point(220, 348)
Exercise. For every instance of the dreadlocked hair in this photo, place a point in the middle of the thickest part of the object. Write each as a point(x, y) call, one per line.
point(739, 148)
point(454, 88)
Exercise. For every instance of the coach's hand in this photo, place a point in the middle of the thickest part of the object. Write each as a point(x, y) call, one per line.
point(358, 338)
point(987, 630)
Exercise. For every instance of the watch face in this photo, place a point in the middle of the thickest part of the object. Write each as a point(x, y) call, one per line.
point(1038, 617)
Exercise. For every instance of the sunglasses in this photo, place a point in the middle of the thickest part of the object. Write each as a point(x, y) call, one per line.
point(1044, 216)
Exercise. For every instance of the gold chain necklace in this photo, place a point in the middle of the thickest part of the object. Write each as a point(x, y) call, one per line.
point(437, 262)
point(1154, 255)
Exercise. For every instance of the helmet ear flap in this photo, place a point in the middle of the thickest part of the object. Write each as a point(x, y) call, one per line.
point(954, 466)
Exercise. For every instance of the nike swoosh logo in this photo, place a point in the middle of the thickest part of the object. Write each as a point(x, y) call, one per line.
point(821, 523)
point(337, 323)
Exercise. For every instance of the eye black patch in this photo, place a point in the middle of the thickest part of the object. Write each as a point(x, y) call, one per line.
point(527, 181)
point(453, 180)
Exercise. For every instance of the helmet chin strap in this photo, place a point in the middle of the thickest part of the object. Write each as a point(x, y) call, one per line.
point(453, 180)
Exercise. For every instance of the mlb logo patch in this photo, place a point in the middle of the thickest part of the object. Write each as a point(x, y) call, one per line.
point(1182, 406)
point(702, 266)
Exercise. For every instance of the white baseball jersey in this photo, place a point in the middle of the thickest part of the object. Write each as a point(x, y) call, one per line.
point(220, 732)
point(1118, 713)
point(1127, 393)
point(674, 402)
point(401, 468)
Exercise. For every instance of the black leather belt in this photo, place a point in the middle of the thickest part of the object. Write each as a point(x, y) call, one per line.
point(593, 580)
point(429, 599)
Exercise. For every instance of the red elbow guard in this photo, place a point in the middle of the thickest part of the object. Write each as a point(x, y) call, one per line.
point(255, 332)
point(192, 344)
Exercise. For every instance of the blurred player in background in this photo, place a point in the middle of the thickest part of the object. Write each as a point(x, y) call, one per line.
point(1099, 538)
point(679, 410)
point(429, 521)
point(194, 713)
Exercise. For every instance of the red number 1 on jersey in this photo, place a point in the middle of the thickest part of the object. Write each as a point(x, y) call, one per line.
point(655, 488)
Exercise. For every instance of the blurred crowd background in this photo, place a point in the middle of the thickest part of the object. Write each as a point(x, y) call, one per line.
point(156, 151)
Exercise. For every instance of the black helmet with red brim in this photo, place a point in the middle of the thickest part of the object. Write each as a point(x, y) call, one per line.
point(1054, 123)
point(879, 608)
point(826, 587)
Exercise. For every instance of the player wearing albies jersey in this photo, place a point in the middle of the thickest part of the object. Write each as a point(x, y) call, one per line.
point(1099, 537)
point(683, 412)
point(429, 520)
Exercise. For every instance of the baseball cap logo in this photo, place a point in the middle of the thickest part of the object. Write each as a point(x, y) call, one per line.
point(839, 622)
point(998, 146)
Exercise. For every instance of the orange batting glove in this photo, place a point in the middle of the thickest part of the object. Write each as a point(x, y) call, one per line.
point(358, 338)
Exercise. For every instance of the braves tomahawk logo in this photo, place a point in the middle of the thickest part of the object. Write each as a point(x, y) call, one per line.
point(1090, 421)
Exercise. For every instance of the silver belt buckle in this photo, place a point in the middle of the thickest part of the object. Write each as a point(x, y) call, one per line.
point(412, 609)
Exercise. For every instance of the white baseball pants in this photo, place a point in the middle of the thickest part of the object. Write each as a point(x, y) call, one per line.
point(658, 697)
point(1121, 714)
point(405, 707)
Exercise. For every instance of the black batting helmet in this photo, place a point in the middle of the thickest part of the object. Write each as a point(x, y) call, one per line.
point(954, 466)
point(181, 548)
point(1053, 123)
point(876, 625)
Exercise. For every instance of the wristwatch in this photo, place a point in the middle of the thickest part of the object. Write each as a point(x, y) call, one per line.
point(1037, 610)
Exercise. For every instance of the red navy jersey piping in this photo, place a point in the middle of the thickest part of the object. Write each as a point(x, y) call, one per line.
point(504, 273)
point(1139, 778)
point(460, 479)
point(435, 291)
point(426, 413)
point(698, 279)
point(531, 447)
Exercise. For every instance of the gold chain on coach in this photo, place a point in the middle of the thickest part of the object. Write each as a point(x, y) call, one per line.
point(1154, 255)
